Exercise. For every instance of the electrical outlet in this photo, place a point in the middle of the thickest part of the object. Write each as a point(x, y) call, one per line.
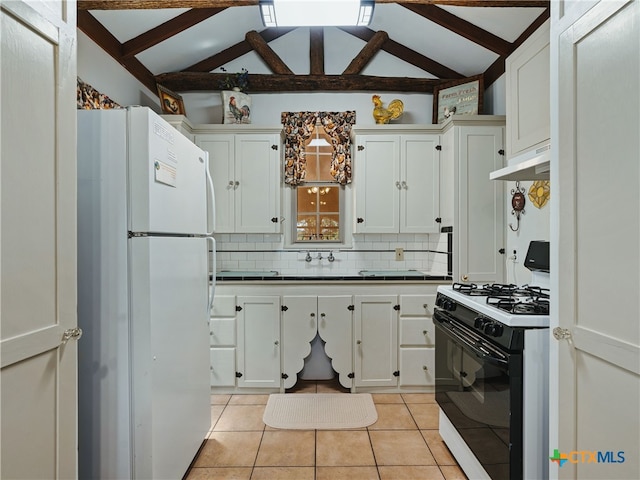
point(399, 254)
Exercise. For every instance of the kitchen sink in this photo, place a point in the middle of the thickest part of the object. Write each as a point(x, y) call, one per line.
point(247, 273)
point(391, 273)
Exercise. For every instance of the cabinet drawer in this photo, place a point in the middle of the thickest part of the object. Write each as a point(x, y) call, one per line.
point(417, 366)
point(417, 331)
point(224, 306)
point(223, 367)
point(416, 305)
point(222, 331)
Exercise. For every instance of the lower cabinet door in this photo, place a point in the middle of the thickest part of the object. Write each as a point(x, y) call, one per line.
point(417, 367)
point(223, 367)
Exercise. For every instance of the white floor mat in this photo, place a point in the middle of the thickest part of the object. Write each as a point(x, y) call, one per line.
point(320, 411)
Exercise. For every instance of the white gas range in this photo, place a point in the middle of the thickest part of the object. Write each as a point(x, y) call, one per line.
point(492, 373)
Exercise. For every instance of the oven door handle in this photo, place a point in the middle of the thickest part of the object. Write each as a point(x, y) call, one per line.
point(476, 349)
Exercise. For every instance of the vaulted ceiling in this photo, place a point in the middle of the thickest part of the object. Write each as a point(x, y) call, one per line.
point(182, 43)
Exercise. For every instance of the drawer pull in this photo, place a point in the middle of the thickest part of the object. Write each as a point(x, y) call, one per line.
point(424, 332)
point(425, 368)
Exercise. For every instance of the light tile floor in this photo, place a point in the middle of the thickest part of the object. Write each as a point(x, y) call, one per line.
point(403, 444)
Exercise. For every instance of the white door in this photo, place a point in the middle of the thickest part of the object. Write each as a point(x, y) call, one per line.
point(299, 328)
point(595, 371)
point(419, 187)
point(259, 341)
point(376, 338)
point(377, 184)
point(38, 240)
point(170, 378)
point(221, 150)
point(257, 172)
point(480, 206)
point(167, 177)
point(335, 326)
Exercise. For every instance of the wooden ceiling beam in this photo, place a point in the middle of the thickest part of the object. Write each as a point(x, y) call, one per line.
point(271, 58)
point(156, 4)
point(92, 28)
point(461, 27)
point(372, 47)
point(234, 51)
point(406, 54)
point(316, 51)
point(497, 68)
point(168, 29)
point(196, 81)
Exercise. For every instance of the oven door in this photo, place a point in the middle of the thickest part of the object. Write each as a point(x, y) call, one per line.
point(479, 389)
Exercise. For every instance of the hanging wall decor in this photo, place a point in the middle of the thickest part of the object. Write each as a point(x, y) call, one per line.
point(236, 107)
point(539, 193)
point(517, 203)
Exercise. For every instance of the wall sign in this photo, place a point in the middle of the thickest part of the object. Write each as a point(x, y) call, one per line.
point(459, 97)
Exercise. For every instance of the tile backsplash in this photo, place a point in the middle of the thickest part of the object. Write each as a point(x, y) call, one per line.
point(265, 252)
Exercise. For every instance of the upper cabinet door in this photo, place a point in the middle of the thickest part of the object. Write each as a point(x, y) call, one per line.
point(246, 180)
point(221, 150)
point(257, 177)
point(527, 73)
point(377, 184)
point(420, 183)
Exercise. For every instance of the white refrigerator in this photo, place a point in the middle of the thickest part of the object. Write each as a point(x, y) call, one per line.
point(144, 295)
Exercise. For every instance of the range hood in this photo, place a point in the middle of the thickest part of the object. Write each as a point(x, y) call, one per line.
point(533, 165)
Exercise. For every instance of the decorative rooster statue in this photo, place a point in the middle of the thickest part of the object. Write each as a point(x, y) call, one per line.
point(392, 112)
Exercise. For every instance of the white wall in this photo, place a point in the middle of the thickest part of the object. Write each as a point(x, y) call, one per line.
point(102, 72)
point(534, 225)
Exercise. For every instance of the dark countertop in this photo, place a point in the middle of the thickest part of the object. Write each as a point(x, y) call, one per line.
point(332, 278)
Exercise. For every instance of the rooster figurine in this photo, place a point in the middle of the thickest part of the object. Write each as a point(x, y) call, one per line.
point(392, 112)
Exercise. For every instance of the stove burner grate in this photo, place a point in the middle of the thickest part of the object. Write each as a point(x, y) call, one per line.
point(520, 305)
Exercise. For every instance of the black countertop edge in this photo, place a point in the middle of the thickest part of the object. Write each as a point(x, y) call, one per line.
point(333, 278)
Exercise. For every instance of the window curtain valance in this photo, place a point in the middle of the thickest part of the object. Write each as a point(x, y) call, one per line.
point(299, 126)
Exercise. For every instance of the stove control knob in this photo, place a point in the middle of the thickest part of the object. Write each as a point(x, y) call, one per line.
point(493, 329)
point(479, 322)
point(449, 305)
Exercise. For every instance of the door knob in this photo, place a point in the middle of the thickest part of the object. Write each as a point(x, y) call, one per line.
point(561, 333)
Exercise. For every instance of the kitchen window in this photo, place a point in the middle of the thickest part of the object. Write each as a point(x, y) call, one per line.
point(318, 200)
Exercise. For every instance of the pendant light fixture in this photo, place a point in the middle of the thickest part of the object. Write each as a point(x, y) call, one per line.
point(316, 13)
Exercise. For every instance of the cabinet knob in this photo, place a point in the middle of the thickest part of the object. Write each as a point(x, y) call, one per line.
point(424, 305)
point(438, 219)
point(359, 342)
point(274, 147)
point(464, 278)
point(322, 315)
point(398, 185)
point(236, 183)
point(313, 315)
point(274, 219)
point(360, 148)
point(425, 368)
point(404, 185)
point(360, 220)
point(276, 343)
point(501, 152)
point(231, 183)
point(424, 332)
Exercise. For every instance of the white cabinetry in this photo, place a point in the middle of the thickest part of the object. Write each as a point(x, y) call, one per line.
point(223, 341)
point(471, 149)
point(397, 181)
point(417, 340)
point(246, 177)
point(258, 356)
point(376, 340)
point(527, 99)
point(303, 317)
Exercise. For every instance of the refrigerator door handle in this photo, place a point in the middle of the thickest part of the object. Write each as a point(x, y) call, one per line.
point(212, 198)
point(212, 273)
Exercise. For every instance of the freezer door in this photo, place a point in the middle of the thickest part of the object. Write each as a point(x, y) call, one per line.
point(170, 353)
point(167, 177)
